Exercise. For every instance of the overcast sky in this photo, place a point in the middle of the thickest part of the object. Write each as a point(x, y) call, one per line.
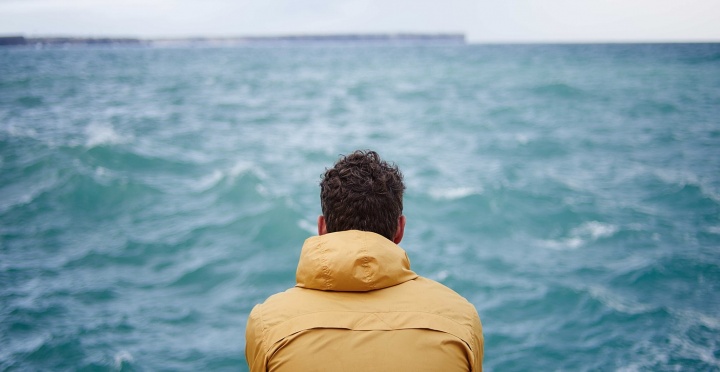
point(479, 20)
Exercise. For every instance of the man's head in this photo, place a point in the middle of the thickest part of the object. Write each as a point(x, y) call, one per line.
point(362, 192)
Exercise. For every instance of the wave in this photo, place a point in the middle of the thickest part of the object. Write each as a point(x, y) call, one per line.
point(84, 195)
point(37, 347)
point(582, 235)
point(239, 169)
point(591, 320)
point(59, 353)
point(204, 277)
point(690, 342)
point(22, 193)
point(123, 161)
point(29, 168)
point(585, 235)
point(454, 193)
point(713, 229)
point(22, 325)
point(683, 178)
point(122, 358)
point(98, 134)
point(619, 303)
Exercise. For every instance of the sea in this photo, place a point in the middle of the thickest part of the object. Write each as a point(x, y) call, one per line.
point(151, 196)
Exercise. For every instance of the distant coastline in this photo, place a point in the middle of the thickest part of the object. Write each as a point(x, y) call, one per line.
point(400, 38)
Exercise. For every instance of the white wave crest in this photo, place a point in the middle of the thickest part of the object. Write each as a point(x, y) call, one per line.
point(581, 235)
point(694, 317)
point(102, 134)
point(242, 167)
point(121, 358)
point(595, 230)
point(22, 194)
point(208, 181)
point(454, 193)
point(713, 230)
point(684, 178)
point(218, 175)
point(618, 303)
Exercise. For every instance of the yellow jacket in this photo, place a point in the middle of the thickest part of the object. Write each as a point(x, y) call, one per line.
point(357, 306)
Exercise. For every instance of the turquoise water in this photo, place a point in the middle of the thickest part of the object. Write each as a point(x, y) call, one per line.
point(150, 197)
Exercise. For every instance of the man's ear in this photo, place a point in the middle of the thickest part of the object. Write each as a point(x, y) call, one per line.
point(400, 230)
point(322, 227)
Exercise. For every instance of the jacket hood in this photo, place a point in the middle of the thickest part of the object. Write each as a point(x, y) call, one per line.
point(352, 261)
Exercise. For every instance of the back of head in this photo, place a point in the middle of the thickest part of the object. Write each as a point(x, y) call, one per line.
point(362, 192)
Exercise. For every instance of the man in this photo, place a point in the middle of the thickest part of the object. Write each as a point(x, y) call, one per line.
point(357, 306)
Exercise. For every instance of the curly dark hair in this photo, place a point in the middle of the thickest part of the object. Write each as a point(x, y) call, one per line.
point(362, 192)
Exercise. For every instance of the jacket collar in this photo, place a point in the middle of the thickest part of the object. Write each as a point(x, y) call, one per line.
point(352, 261)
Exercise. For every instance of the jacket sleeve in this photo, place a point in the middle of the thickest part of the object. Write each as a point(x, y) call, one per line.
point(254, 345)
point(479, 341)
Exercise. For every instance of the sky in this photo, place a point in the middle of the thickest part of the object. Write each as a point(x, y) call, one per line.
point(482, 21)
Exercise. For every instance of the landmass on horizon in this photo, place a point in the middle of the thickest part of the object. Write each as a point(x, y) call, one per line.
point(393, 38)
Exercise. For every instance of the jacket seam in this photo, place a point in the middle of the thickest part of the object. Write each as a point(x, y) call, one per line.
point(324, 265)
point(365, 259)
point(265, 334)
point(374, 312)
point(468, 339)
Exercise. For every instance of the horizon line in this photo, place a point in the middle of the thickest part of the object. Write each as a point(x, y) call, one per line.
point(388, 36)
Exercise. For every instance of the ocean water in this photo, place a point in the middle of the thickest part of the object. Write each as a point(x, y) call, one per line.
point(149, 197)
